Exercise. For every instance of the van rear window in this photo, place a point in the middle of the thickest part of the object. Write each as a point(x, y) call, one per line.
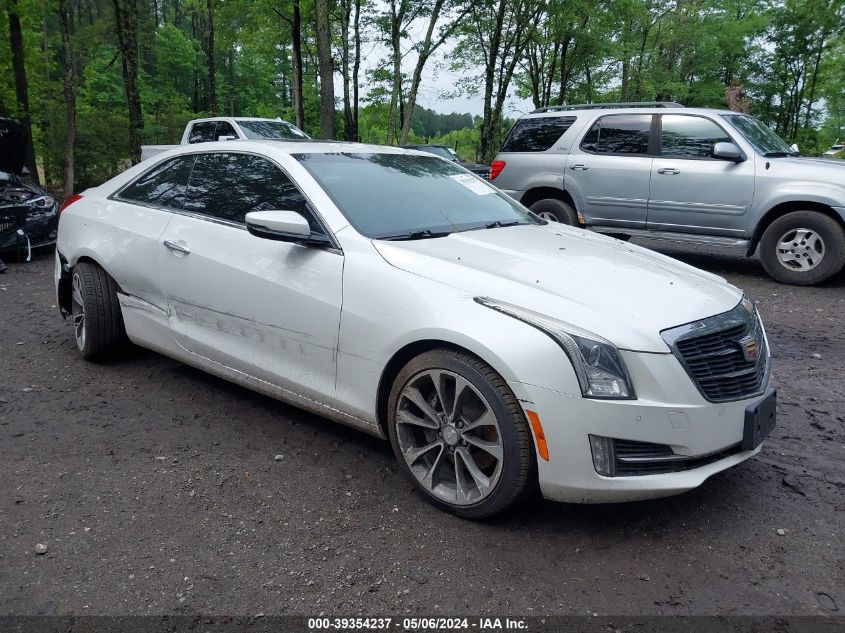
point(536, 134)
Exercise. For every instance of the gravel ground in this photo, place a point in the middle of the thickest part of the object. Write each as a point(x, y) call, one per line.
point(156, 489)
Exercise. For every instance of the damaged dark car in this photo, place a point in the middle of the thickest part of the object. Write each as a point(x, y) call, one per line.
point(29, 216)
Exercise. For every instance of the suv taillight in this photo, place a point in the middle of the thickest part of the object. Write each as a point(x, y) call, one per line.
point(69, 201)
point(496, 168)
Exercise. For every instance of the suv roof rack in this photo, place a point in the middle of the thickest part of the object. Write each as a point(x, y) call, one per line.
point(603, 106)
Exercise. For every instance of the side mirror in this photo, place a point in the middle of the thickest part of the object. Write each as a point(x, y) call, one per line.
point(728, 151)
point(283, 226)
point(227, 137)
point(794, 147)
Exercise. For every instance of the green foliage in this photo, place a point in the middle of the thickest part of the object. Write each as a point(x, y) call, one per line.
point(787, 56)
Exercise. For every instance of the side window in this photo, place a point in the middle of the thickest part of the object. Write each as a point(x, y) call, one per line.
point(202, 132)
point(619, 134)
point(590, 142)
point(164, 185)
point(227, 186)
point(224, 128)
point(690, 136)
point(536, 134)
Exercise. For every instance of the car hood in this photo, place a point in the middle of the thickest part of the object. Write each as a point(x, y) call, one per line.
point(624, 293)
point(813, 169)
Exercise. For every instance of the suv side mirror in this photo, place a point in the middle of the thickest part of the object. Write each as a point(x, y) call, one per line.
point(227, 137)
point(283, 226)
point(728, 151)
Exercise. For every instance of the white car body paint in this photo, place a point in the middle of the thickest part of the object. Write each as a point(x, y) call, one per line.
point(317, 327)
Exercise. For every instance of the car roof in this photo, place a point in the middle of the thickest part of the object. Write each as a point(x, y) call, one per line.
point(626, 110)
point(239, 118)
point(295, 147)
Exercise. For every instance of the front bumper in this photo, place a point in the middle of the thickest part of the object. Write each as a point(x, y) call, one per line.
point(669, 411)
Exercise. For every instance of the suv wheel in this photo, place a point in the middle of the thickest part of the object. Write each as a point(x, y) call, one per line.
point(555, 210)
point(459, 434)
point(803, 248)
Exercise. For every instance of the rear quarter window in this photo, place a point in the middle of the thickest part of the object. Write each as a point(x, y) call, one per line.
point(537, 134)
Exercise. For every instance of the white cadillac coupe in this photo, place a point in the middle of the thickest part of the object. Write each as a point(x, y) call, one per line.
point(394, 291)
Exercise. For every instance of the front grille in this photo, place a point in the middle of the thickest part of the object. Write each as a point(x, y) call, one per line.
point(9, 223)
point(726, 355)
point(642, 458)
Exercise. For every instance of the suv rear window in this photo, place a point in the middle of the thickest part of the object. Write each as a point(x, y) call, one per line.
point(618, 134)
point(536, 135)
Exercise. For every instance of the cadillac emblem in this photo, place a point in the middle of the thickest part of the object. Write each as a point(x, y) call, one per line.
point(750, 348)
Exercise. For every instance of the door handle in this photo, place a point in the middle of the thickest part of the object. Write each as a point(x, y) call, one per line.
point(179, 247)
point(669, 170)
point(579, 166)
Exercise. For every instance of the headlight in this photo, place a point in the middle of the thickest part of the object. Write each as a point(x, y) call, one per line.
point(597, 363)
point(41, 202)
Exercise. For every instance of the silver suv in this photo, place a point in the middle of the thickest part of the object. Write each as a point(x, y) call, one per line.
point(663, 171)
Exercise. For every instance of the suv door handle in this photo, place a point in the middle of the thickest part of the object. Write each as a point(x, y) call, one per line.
point(579, 166)
point(669, 170)
point(179, 247)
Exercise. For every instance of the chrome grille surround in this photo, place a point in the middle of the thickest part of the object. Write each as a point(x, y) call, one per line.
point(719, 352)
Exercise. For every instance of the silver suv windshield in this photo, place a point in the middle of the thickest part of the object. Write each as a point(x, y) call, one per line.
point(409, 197)
point(277, 130)
point(761, 137)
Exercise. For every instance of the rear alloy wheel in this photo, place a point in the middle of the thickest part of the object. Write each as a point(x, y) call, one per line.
point(553, 210)
point(803, 248)
point(95, 311)
point(459, 434)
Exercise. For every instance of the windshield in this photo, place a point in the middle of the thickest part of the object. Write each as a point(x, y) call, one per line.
point(759, 135)
point(408, 196)
point(278, 130)
point(442, 152)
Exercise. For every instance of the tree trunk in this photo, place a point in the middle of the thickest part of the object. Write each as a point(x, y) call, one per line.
point(427, 48)
point(326, 70)
point(70, 96)
point(21, 85)
point(489, 79)
point(296, 29)
point(126, 16)
point(397, 18)
point(209, 55)
point(356, 66)
point(348, 123)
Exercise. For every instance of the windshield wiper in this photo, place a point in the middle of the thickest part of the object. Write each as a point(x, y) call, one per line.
point(415, 235)
point(498, 224)
point(781, 154)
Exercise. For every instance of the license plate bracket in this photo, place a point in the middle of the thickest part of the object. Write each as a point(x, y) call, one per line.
point(759, 420)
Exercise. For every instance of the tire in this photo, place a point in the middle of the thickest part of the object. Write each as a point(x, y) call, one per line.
point(452, 440)
point(95, 310)
point(803, 248)
point(555, 210)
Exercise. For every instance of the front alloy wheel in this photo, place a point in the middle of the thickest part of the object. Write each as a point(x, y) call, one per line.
point(460, 434)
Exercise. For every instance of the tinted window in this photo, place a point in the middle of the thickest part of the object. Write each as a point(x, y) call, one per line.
point(536, 135)
point(228, 186)
point(224, 128)
point(202, 132)
point(388, 195)
point(590, 142)
point(164, 185)
point(619, 134)
point(690, 136)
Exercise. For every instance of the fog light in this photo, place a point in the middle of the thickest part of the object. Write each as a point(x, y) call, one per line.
point(604, 457)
